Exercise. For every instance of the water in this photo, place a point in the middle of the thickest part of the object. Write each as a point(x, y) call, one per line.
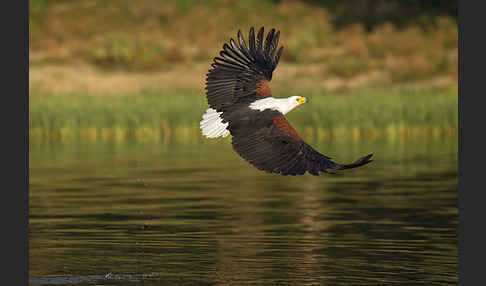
point(194, 213)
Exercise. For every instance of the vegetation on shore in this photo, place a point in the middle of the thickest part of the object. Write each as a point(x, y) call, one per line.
point(160, 34)
point(148, 62)
point(165, 116)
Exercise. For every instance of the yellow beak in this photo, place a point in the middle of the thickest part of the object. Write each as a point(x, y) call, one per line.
point(301, 100)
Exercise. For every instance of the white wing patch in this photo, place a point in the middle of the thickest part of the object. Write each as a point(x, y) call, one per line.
point(212, 125)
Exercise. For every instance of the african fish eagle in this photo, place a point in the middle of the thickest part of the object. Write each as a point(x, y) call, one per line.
point(241, 104)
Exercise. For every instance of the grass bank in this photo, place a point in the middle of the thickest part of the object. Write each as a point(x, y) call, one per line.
point(165, 116)
point(156, 35)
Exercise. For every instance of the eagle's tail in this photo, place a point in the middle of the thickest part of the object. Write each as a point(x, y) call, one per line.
point(212, 125)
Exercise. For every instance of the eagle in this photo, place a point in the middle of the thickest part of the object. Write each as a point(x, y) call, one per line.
point(241, 104)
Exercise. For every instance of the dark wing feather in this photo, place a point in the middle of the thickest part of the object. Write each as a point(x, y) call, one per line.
point(234, 77)
point(276, 150)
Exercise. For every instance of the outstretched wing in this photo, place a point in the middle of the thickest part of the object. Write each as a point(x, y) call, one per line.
point(242, 73)
point(278, 148)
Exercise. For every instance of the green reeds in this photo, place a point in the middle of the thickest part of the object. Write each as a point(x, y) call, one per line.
point(378, 113)
point(167, 116)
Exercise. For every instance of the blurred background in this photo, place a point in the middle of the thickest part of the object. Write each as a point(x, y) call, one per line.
point(165, 48)
point(122, 185)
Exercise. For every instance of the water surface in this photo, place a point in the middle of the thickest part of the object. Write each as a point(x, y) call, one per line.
point(194, 213)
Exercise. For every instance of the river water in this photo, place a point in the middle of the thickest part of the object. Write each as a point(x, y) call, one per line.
point(194, 213)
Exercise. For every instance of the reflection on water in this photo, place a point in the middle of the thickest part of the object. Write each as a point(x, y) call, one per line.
point(196, 214)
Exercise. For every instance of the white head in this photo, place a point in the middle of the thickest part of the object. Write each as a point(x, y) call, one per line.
point(293, 102)
point(284, 105)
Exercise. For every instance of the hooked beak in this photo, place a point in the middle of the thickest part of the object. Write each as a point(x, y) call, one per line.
point(302, 99)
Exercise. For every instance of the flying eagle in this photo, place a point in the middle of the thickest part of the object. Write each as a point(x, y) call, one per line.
point(241, 104)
